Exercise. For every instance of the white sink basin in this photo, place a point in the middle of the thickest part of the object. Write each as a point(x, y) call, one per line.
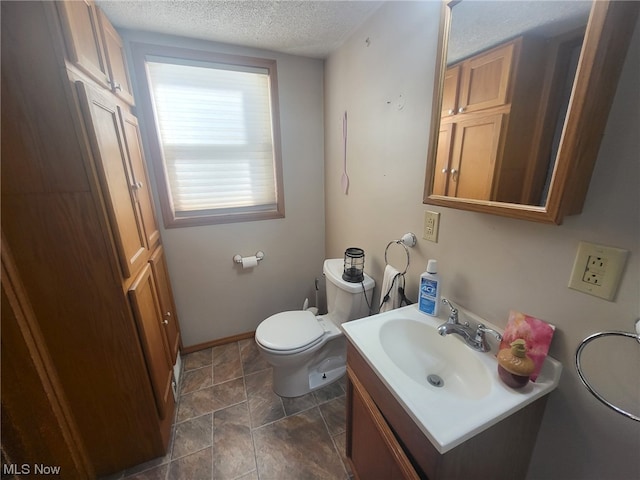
point(465, 395)
point(434, 361)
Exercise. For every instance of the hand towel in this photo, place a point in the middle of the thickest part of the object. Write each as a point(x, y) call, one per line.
point(389, 296)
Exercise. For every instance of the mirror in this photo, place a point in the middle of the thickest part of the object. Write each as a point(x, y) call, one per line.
point(522, 95)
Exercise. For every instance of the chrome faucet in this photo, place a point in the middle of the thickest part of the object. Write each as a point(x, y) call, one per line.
point(476, 339)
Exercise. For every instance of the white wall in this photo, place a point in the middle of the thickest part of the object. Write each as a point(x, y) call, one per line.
point(215, 298)
point(489, 264)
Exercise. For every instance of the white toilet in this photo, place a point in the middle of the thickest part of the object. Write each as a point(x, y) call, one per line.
point(309, 352)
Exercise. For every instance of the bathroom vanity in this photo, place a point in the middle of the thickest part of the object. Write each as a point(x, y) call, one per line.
point(398, 427)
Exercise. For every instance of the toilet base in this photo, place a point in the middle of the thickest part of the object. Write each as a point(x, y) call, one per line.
point(329, 366)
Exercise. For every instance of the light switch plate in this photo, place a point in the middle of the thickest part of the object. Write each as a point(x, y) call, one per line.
point(597, 270)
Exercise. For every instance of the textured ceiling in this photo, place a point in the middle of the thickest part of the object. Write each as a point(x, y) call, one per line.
point(308, 28)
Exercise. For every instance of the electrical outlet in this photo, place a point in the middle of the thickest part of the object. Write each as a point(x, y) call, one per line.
point(431, 224)
point(597, 270)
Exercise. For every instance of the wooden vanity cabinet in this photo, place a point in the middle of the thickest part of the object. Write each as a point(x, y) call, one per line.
point(78, 217)
point(501, 452)
point(486, 100)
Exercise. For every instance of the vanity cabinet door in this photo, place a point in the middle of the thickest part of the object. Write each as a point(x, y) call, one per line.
point(83, 39)
point(165, 296)
point(372, 447)
point(118, 74)
point(485, 80)
point(116, 177)
point(143, 295)
point(443, 159)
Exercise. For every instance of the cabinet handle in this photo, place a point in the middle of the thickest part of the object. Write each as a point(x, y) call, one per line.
point(165, 322)
point(461, 110)
point(444, 170)
point(137, 185)
point(168, 314)
point(117, 87)
point(451, 111)
point(454, 174)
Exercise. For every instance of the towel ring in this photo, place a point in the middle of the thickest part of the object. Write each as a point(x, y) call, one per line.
point(592, 390)
point(406, 250)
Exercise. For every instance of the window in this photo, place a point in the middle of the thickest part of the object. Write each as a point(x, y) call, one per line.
point(213, 130)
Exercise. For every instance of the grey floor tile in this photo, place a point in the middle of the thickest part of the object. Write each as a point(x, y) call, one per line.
point(297, 447)
point(198, 359)
point(193, 380)
point(264, 405)
point(193, 435)
point(233, 454)
point(156, 473)
point(197, 466)
point(252, 361)
point(334, 414)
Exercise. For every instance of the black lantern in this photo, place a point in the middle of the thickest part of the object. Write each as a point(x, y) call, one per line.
point(353, 265)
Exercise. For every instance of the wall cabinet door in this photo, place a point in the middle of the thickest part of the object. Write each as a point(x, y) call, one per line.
point(450, 91)
point(116, 177)
point(114, 50)
point(140, 179)
point(442, 174)
point(476, 147)
point(484, 81)
point(145, 302)
point(165, 296)
point(83, 39)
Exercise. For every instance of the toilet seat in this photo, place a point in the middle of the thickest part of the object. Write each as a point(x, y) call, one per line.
point(290, 332)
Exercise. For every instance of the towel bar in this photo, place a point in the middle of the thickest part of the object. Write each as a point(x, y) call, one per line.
point(589, 387)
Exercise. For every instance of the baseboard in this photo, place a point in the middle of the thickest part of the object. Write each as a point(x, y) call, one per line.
point(215, 343)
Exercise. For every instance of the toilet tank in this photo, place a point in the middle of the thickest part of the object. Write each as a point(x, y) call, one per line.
point(345, 300)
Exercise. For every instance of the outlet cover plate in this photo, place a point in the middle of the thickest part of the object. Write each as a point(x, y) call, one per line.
point(597, 270)
point(431, 225)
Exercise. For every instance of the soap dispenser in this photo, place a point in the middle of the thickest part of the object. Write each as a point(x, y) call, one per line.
point(514, 366)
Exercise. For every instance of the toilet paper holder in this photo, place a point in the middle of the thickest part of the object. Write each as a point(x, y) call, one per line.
point(259, 256)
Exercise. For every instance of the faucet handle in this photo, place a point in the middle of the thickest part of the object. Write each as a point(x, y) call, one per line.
point(481, 330)
point(453, 316)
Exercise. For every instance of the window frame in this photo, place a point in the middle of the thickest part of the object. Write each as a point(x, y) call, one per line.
point(140, 51)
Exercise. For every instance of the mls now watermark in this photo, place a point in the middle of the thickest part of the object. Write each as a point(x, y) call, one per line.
point(28, 469)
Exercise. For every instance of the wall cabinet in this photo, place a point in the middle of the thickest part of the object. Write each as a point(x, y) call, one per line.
point(383, 441)
point(484, 148)
point(94, 46)
point(78, 217)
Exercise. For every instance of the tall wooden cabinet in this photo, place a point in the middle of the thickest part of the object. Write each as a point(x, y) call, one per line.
point(77, 214)
point(484, 147)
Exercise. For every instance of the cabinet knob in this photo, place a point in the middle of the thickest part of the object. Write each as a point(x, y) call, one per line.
point(451, 111)
point(461, 110)
point(138, 185)
point(444, 170)
point(117, 87)
point(165, 322)
point(167, 314)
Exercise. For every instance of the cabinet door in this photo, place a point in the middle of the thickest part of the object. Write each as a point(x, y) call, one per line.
point(146, 308)
point(140, 180)
point(450, 91)
point(475, 152)
point(167, 305)
point(114, 50)
point(484, 80)
point(118, 185)
point(83, 39)
point(372, 446)
point(442, 172)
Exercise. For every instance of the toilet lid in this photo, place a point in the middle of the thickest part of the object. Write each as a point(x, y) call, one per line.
point(289, 330)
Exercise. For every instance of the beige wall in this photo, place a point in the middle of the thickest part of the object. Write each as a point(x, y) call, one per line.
point(215, 298)
point(383, 77)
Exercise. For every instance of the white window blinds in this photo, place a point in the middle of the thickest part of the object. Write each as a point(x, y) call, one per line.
point(215, 131)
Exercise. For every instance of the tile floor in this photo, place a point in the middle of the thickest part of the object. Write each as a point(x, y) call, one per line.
point(230, 425)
